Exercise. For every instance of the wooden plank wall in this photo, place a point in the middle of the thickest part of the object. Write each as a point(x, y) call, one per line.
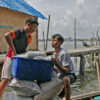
point(16, 20)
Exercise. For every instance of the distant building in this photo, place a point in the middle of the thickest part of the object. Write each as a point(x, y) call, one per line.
point(13, 14)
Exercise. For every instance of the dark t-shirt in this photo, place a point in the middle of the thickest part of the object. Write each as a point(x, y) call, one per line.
point(20, 41)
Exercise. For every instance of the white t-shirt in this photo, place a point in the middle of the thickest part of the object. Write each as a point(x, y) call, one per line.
point(64, 60)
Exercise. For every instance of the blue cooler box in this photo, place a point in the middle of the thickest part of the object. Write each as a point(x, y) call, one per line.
point(31, 69)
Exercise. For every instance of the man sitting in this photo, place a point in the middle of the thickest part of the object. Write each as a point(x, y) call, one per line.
point(63, 65)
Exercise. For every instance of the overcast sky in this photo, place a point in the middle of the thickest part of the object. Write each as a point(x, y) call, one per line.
point(63, 14)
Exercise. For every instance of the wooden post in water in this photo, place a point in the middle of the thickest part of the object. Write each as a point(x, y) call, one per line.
point(91, 42)
point(43, 40)
point(93, 39)
point(75, 45)
point(97, 38)
point(98, 69)
point(82, 64)
point(99, 41)
point(47, 31)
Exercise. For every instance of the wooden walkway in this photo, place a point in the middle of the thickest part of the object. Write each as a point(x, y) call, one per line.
point(85, 96)
point(81, 53)
point(84, 51)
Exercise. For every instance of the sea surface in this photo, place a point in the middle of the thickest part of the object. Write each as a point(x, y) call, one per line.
point(85, 83)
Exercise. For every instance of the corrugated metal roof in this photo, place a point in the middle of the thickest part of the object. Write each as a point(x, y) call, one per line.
point(21, 6)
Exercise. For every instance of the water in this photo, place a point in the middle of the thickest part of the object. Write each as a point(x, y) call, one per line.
point(85, 83)
point(67, 45)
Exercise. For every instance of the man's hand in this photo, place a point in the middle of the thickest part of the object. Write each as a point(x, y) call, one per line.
point(49, 53)
point(55, 61)
point(13, 52)
point(63, 69)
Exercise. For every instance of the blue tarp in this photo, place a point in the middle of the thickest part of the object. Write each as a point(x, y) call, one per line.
point(21, 6)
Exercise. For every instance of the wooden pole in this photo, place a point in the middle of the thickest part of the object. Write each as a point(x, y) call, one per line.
point(37, 38)
point(99, 41)
point(91, 42)
point(43, 40)
point(98, 70)
point(75, 45)
point(47, 31)
point(93, 39)
point(97, 38)
point(82, 64)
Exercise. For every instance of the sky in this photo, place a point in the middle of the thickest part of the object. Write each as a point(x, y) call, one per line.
point(63, 14)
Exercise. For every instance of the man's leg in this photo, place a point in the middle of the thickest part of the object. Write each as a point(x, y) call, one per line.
point(66, 81)
point(6, 73)
point(2, 85)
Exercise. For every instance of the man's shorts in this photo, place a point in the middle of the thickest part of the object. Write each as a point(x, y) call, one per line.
point(72, 77)
point(7, 68)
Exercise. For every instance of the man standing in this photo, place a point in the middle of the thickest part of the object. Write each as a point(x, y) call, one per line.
point(17, 41)
point(63, 65)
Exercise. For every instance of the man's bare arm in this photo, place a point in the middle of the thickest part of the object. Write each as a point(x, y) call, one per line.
point(9, 41)
point(63, 69)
